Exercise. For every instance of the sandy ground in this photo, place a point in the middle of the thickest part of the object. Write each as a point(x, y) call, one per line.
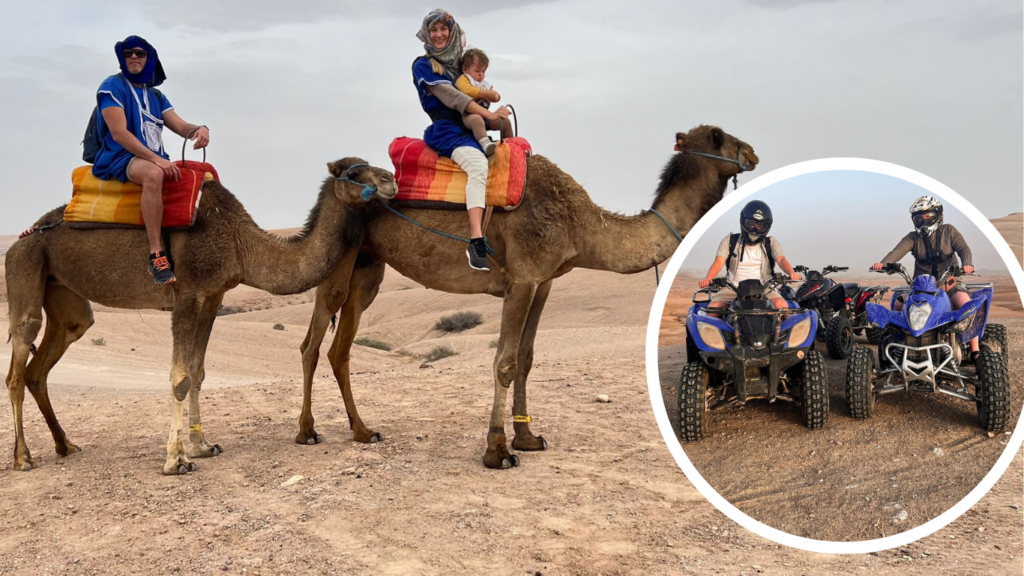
point(852, 479)
point(606, 498)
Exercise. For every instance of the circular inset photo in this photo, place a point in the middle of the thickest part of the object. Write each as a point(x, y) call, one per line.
point(838, 355)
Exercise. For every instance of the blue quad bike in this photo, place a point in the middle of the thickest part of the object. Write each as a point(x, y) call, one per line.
point(923, 346)
point(753, 352)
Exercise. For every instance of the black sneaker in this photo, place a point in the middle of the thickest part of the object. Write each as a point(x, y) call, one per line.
point(477, 254)
point(160, 268)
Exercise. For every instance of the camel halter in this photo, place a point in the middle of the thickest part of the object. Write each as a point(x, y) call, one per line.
point(744, 166)
point(369, 190)
point(657, 276)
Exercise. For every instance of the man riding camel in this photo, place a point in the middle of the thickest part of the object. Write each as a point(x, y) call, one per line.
point(132, 115)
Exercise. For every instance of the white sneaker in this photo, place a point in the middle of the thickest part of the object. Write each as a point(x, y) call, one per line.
point(488, 145)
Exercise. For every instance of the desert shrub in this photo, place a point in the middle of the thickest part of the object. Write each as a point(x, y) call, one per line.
point(99, 342)
point(278, 326)
point(371, 343)
point(493, 344)
point(459, 321)
point(225, 310)
point(439, 352)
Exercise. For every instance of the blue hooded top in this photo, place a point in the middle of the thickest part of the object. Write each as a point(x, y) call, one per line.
point(143, 108)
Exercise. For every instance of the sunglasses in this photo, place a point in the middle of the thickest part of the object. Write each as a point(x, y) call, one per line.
point(137, 52)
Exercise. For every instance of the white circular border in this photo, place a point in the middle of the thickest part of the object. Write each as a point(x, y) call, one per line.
point(654, 381)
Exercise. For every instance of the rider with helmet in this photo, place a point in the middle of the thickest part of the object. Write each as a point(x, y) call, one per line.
point(749, 255)
point(934, 245)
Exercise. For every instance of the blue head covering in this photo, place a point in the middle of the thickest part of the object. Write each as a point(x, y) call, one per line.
point(152, 73)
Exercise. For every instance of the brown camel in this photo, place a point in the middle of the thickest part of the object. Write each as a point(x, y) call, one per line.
point(556, 229)
point(62, 270)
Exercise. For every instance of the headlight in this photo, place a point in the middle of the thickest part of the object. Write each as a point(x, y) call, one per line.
point(918, 315)
point(798, 335)
point(962, 325)
point(711, 335)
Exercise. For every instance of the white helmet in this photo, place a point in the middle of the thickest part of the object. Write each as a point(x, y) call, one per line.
point(926, 212)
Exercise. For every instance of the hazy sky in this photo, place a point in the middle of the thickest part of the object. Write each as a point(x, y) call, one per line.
point(869, 215)
point(600, 87)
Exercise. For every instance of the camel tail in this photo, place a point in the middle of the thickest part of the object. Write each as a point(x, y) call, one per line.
point(334, 321)
point(32, 349)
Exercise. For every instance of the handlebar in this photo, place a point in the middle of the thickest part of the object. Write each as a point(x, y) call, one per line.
point(952, 272)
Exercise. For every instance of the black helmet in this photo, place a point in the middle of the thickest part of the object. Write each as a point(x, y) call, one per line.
point(755, 221)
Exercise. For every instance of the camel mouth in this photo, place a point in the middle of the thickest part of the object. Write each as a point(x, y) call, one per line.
point(387, 191)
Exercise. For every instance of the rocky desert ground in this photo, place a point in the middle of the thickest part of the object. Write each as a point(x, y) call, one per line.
point(605, 498)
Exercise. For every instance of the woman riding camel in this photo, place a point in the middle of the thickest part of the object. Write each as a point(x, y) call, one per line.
point(434, 75)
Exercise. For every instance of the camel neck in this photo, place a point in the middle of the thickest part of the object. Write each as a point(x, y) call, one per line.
point(630, 244)
point(292, 265)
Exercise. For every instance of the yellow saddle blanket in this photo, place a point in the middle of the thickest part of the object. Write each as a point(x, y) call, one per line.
point(103, 203)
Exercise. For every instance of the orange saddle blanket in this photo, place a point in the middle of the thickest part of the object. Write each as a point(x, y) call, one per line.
point(99, 203)
point(426, 180)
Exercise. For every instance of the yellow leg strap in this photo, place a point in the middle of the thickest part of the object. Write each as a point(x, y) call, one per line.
point(522, 419)
point(196, 427)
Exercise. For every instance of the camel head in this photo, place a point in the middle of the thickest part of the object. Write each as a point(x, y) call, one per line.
point(715, 141)
point(353, 176)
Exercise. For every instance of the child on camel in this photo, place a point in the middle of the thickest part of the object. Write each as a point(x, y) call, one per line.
point(472, 83)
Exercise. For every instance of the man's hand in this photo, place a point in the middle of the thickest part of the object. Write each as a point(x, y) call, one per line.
point(201, 136)
point(169, 168)
point(877, 266)
point(705, 283)
point(968, 269)
point(796, 276)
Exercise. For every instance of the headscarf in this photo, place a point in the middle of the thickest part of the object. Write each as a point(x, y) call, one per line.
point(451, 55)
point(152, 73)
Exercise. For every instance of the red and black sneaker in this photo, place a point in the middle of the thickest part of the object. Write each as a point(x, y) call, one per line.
point(160, 268)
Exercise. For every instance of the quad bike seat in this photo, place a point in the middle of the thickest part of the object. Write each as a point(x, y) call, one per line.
point(851, 288)
point(752, 305)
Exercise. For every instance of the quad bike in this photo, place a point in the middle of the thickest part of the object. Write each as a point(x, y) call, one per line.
point(840, 308)
point(922, 349)
point(754, 352)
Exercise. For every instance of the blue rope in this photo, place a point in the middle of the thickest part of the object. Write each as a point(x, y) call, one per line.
point(669, 226)
point(434, 230)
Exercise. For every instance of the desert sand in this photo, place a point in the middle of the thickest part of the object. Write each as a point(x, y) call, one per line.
point(605, 498)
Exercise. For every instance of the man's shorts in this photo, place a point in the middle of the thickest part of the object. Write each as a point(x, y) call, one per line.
point(728, 296)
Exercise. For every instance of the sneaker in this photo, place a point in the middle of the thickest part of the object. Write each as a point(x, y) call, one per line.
point(160, 268)
point(488, 145)
point(477, 254)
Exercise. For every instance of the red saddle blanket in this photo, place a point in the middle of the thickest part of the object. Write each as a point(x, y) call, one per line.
point(426, 180)
point(99, 203)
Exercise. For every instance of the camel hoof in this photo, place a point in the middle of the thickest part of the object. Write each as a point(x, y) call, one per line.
point(191, 467)
point(217, 450)
point(513, 459)
point(67, 449)
point(377, 437)
point(309, 439)
point(505, 464)
point(22, 467)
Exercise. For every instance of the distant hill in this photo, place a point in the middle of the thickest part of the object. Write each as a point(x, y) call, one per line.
point(1012, 229)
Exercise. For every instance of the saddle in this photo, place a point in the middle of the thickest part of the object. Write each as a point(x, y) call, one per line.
point(426, 180)
point(99, 203)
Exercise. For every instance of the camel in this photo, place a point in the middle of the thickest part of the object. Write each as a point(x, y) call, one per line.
point(557, 228)
point(62, 270)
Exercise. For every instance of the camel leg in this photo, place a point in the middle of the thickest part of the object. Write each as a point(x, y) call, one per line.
point(524, 439)
point(184, 321)
point(26, 320)
point(330, 296)
point(68, 316)
point(199, 446)
point(516, 308)
point(364, 285)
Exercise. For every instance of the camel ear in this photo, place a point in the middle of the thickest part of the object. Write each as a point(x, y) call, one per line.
point(680, 141)
point(717, 137)
point(332, 169)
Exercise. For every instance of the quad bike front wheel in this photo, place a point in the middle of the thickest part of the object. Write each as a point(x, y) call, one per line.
point(995, 339)
point(839, 337)
point(814, 390)
point(693, 405)
point(993, 391)
point(860, 395)
point(873, 335)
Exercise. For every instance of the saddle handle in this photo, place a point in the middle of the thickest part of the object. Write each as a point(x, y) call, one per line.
point(185, 143)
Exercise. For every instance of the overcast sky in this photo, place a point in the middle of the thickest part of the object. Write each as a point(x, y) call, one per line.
point(870, 216)
point(600, 87)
